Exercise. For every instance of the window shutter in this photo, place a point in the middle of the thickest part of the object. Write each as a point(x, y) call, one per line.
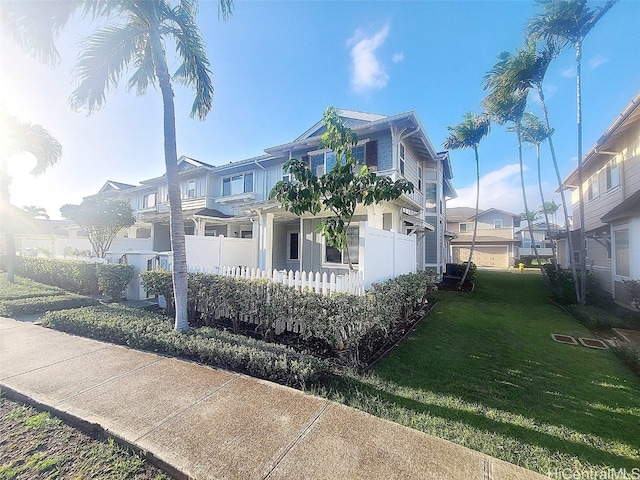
point(371, 153)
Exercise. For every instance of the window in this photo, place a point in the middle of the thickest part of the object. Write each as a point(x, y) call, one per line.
point(402, 159)
point(246, 234)
point(191, 189)
point(497, 223)
point(419, 178)
point(613, 174)
point(294, 246)
point(621, 239)
point(333, 255)
point(430, 197)
point(322, 163)
point(593, 187)
point(237, 184)
point(149, 200)
point(358, 154)
point(466, 227)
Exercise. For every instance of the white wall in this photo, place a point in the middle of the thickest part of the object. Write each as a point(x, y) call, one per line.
point(386, 254)
point(221, 251)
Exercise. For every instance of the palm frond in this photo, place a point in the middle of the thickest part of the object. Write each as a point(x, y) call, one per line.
point(469, 132)
point(106, 54)
point(24, 137)
point(194, 67)
point(505, 106)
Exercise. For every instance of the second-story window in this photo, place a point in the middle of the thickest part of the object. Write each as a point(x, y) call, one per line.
point(430, 197)
point(466, 227)
point(191, 189)
point(497, 223)
point(149, 200)
point(613, 174)
point(322, 163)
point(402, 159)
point(237, 184)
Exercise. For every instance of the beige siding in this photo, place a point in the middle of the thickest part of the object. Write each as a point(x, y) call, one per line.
point(484, 256)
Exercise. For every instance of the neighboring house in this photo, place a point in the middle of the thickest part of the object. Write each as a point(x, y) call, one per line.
point(543, 238)
point(230, 220)
point(495, 243)
point(611, 185)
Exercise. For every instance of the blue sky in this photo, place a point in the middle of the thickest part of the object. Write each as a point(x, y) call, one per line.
point(277, 66)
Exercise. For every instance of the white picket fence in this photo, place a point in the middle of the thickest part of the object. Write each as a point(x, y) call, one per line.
point(322, 283)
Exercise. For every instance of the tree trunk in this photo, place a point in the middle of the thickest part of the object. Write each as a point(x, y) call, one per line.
point(176, 220)
point(567, 224)
point(475, 222)
point(524, 199)
point(582, 299)
point(544, 209)
point(7, 221)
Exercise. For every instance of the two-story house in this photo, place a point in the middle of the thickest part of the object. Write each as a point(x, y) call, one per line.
point(229, 204)
point(543, 240)
point(611, 201)
point(495, 242)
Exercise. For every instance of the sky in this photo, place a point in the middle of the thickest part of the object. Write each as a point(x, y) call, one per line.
point(277, 65)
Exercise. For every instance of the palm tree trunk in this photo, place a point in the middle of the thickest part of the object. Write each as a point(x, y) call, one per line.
point(526, 205)
point(176, 220)
point(567, 224)
point(544, 210)
point(475, 222)
point(7, 223)
point(583, 257)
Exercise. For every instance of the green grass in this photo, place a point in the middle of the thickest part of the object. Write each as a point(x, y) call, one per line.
point(484, 372)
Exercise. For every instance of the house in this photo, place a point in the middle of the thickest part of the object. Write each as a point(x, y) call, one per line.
point(611, 201)
point(230, 220)
point(495, 241)
point(543, 240)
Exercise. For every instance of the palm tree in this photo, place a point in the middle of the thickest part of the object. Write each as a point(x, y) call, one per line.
point(569, 22)
point(535, 132)
point(34, 212)
point(138, 40)
point(17, 137)
point(468, 134)
point(507, 106)
point(551, 208)
point(525, 70)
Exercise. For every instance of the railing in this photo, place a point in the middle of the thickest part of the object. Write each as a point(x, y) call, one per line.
point(322, 283)
point(530, 251)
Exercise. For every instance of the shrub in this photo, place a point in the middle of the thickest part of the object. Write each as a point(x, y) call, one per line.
point(113, 279)
point(25, 306)
point(630, 355)
point(594, 317)
point(471, 276)
point(633, 287)
point(149, 331)
point(348, 324)
point(26, 288)
point(563, 288)
point(75, 276)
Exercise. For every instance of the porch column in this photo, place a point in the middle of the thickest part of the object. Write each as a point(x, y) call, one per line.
point(265, 241)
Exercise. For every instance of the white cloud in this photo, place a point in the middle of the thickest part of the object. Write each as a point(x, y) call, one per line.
point(596, 61)
point(569, 72)
point(367, 72)
point(397, 57)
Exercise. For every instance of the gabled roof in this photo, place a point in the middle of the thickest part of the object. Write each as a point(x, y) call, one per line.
point(110, 185)
point(626, 209)
point(184, 164)
point(629, 117)
point(457, 214)
point(365, 124)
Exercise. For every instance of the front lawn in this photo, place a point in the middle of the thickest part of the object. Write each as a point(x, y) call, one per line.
point(484, 372)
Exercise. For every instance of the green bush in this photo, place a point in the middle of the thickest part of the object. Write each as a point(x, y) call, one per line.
point(562, 285)
point(24, 306)
point(594, 317)
point(26, 288)
point(113, 279)
point(349, 324)
point(471, 276)
point(71, 275)
point(630, 355)
point(149, 331)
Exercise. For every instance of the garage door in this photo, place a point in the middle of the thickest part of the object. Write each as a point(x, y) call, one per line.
point(484, 256)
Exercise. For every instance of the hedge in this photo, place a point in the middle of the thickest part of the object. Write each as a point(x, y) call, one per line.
point(76, 276)
point(26, 288)
point(148, 331)
point(594, 317)
point(350, 324)
point(29, 305)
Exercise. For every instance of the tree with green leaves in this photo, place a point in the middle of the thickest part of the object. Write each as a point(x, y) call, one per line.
point(135, 36)
point(534, 132)
point(102, 219)
point(340, 190)
point(551, 208)
point(35, 212)
point(568, 22)
point(18, 137)
point(468, 134)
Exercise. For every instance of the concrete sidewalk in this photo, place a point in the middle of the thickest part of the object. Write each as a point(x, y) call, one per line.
point(211, 424)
